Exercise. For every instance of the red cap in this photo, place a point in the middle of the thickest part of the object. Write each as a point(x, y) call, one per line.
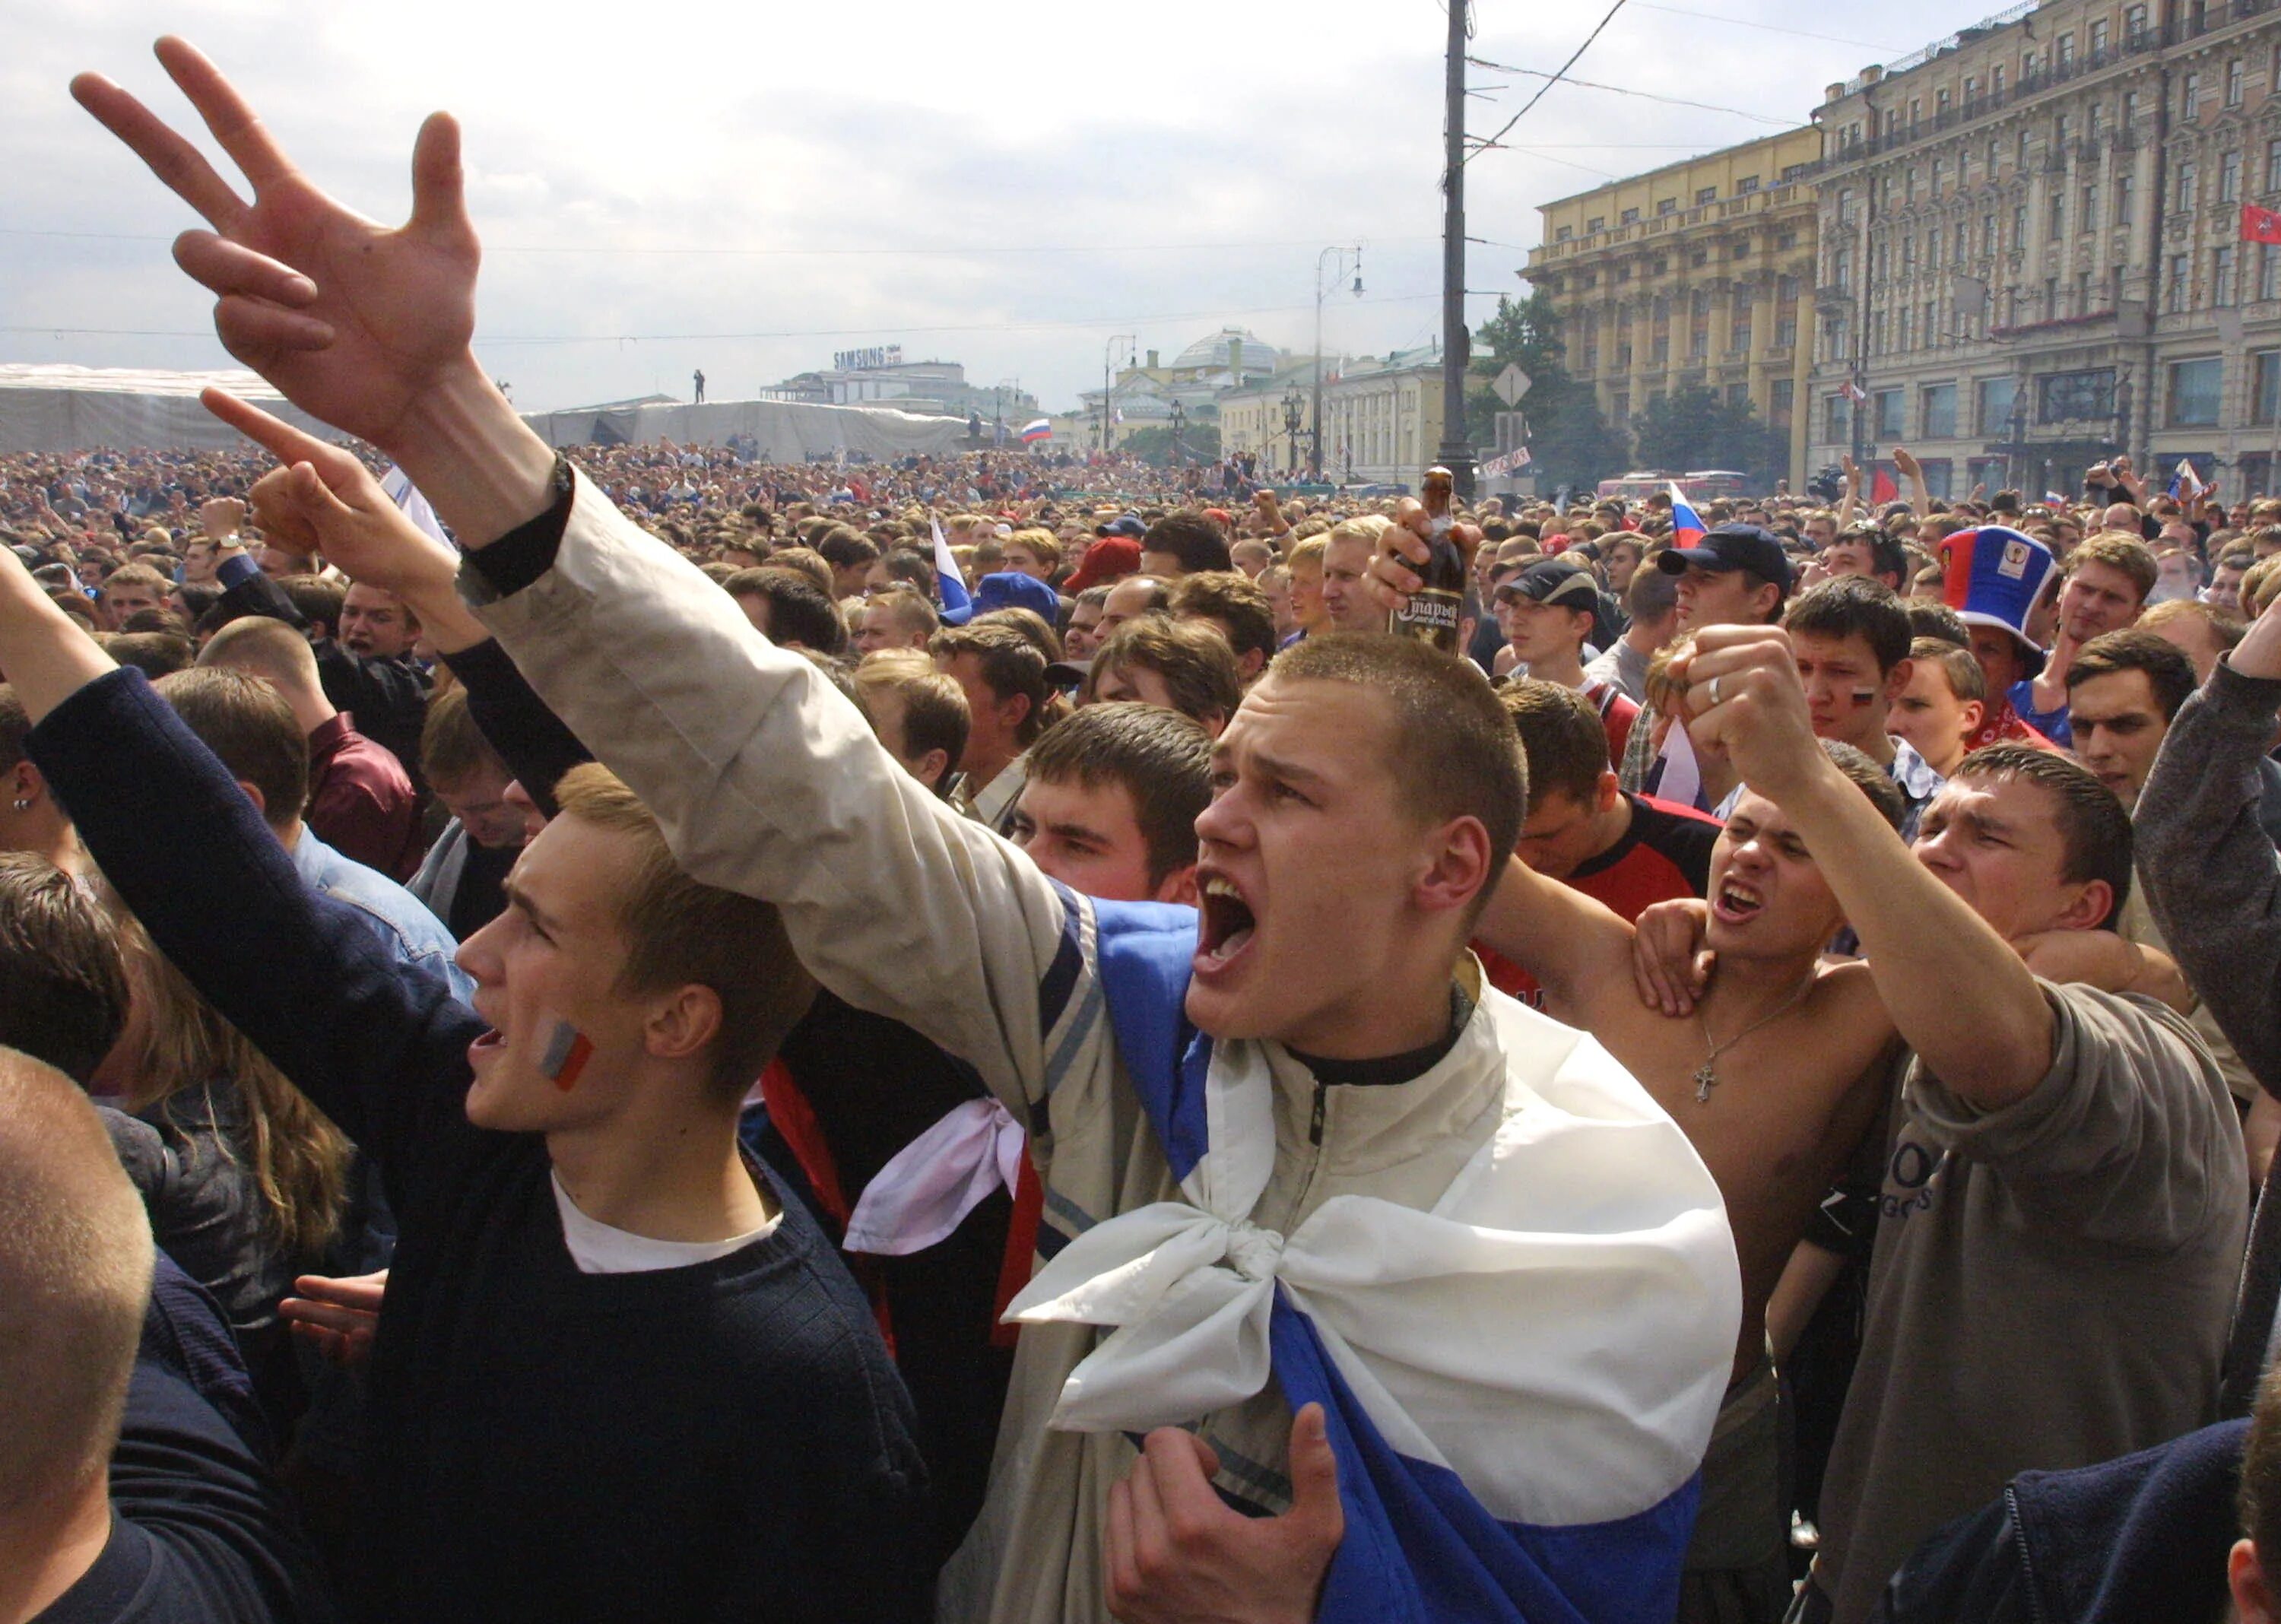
point(1112, 557)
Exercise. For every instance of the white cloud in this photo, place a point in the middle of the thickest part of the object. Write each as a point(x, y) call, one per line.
point(1057, 153)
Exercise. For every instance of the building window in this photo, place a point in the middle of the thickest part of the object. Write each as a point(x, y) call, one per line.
point(1738, 395)
point(1563, 234)
point(1779, 402)
point(1788, 239)
point(1987, 233)
point(2124, 185)
point(2273, 165)
point(1841, 270)
point(1886, 414)
point(2190, 177)
point(2269, 273)
point(1706, 194)
point(1937, 411)
point(2130, 108)
point(2075, 397)
point(2134, 25)
point(2059, 133)
point(1748, 184)
point(2058, 223)
point(1971, 89)
point(1666, 206)
point(2229, 178)
point(1629, 217)
point(2094, 120)
point(2174, 285)
point(2267, 392)
point(2194, 387)
point(2233, 82)
point(1996, 84)
point(2190, 96)
point(2098, 40)
point(1932, 246)
point(1906, 337)
point(1597, 223)
point(1837, 420)
point(2222, 291)
point(1940, 104)
point(2087, 210)
point(2066, 53)
point(2019, 226)
point(1994, 398)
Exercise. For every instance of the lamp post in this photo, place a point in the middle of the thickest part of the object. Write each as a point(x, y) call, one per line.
point(1332, 265)
point(1180, 421)
point(1107, 361)
point(1294, 408)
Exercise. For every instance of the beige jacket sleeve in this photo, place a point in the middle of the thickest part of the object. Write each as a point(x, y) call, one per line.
point(768, 782)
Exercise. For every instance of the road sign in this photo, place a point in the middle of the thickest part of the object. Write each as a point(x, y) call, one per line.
point(1512, 383)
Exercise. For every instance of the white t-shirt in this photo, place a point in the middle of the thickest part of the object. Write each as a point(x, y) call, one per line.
point(596, 1248)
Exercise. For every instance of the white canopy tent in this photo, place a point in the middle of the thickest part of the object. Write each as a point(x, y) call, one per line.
point(65, 408)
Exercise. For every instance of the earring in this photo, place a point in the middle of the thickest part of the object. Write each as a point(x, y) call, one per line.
point(21, 805)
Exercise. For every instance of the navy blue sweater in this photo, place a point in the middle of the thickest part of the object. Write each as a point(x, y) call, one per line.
point(724, 1440)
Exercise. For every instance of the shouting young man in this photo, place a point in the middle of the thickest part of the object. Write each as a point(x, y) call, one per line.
point(1331, 1143)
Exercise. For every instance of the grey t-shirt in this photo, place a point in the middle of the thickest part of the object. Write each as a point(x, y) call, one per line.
point(2051, 1285)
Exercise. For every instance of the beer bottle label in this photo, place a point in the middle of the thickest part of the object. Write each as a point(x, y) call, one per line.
point(1431, 616)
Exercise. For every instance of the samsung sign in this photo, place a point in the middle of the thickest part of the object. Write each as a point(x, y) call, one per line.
point(867, 360)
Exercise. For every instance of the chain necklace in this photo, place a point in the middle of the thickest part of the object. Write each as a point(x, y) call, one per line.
point(1706, 1075)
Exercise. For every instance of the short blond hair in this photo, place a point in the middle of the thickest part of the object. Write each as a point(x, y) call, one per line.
point(680, 931)
point(76, 1264)
point(267, 648)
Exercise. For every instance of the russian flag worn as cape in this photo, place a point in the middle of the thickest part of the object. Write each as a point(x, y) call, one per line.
point(1520, 1383)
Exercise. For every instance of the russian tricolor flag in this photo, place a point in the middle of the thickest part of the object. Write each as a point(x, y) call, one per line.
point(1040, 428)
point(1687, 527)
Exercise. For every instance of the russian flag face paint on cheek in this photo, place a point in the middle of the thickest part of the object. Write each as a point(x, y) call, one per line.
point(568, 1051)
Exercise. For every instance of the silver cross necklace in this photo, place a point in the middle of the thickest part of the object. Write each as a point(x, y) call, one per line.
point(1706, 1075)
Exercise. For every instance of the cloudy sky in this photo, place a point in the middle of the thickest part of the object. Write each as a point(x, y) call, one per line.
point(664, 185)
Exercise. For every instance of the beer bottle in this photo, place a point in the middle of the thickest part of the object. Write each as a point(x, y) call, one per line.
point(1431, 614)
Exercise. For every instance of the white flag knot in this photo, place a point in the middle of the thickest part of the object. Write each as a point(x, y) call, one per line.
point(1253, 1252)
point(1186, 1295)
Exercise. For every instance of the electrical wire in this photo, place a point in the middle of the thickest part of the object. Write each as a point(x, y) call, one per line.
point(832, 332)
point(1768, 27)
point(1650, 96)
point(1547, 85)
point(794, 254)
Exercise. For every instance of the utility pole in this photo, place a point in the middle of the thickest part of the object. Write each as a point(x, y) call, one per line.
point(1457, 452)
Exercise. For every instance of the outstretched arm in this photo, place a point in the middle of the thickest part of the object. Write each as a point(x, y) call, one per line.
point(1578, 951)
point(764, 779)
point(2211, 872)
point(1960, 995)
point(381, 1048)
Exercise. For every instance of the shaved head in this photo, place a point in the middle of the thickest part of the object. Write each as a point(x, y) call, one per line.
point(75, 1261)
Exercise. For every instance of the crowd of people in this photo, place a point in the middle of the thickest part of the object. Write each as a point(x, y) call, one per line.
point(639, 1033)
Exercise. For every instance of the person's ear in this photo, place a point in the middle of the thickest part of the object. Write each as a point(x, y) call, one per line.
point(2088, 909)
point(1456, 867)
point(2245, 1576)
point(253, 793)
point(1769, 597)
point(682, 1022)
point(1974, 713)
point(932, 765)
point(1896, 682)
point(25, 786)
point(1605, 794)
point(1179, 887)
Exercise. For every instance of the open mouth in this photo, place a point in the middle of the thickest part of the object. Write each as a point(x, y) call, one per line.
point(484, 1046)
point(1224, 926)
point(1736, 902)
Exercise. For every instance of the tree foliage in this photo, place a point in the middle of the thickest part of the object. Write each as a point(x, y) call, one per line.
point(1695, 428)
point(1570, 443)
point(1199, 443)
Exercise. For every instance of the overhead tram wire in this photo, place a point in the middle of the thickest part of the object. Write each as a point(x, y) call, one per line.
point(950, 251)
point(1649, 95)
point(1574, 56)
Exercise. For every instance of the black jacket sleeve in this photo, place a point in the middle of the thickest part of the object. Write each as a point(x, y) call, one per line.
point(537, 746)
point(381, 1048)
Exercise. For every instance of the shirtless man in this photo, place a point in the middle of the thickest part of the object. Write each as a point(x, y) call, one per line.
point(1775, 1077)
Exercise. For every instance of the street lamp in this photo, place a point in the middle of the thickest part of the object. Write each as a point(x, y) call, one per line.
point(1332, 265)
point(1294, 408)
point(1180, 419)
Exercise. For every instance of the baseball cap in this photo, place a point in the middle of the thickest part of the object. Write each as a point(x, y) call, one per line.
point(1124, 524)
point(1733, 546)
point(1554, 580)
point(1010, 589)
point(1112, 557)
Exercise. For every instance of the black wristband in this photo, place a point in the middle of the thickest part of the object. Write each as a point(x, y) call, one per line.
point(527, 552)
